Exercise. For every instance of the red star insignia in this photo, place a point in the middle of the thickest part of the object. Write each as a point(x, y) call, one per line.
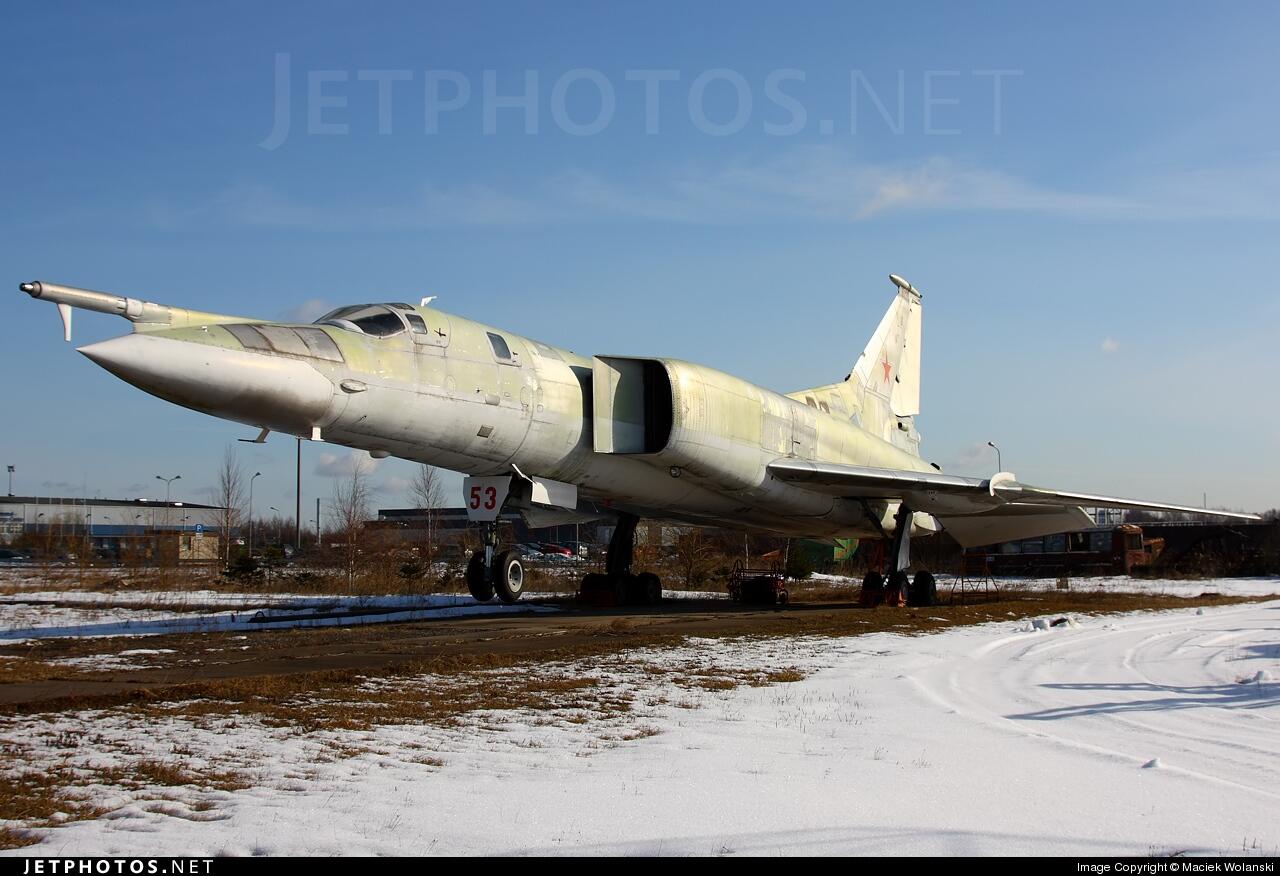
point(885, 363)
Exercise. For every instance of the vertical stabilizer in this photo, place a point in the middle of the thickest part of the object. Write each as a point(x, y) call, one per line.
point(882, 392)
point(889, 368)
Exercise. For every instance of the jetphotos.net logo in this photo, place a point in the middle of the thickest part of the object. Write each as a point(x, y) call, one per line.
point(117, 867)
point(586, 102)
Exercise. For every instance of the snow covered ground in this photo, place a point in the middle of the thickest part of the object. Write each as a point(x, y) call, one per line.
point(48, 614)
point(1266, 585)
point(1147, 733)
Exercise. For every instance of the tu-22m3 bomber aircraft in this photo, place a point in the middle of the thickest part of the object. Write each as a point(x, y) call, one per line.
point(564, 438)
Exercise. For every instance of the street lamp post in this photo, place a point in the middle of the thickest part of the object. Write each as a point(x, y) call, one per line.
point(168, 482)
point(11, 471)
point(999, 463)
point(297, 502)
point(256, 475)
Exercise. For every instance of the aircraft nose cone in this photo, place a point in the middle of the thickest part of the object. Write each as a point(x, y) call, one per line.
point(254, 388)
point(120, 356)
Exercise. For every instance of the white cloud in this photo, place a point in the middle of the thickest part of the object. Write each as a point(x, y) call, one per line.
point(1110, 345)
point(976, 457)
point(818, 183)
point(395, 485)
point(429, 206)
point(335, 465)
point(308, 311)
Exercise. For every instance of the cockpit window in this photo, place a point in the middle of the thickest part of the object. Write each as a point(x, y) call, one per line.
point(372, 319)
point(382, 324)
point(500, 348)
point(338, 314)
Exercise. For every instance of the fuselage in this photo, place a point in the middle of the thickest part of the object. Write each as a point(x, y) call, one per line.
point(420, 384)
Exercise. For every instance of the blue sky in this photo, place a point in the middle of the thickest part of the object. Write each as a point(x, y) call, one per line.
point(1096, 246)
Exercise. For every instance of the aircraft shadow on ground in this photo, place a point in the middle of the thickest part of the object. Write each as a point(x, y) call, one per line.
point(851, 840)
point(1244, 695)
point(1265, 651)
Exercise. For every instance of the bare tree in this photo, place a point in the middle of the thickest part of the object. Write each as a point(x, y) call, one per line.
point(694, 556)
point(428, 492)
point(350, 510)
point(230, 495)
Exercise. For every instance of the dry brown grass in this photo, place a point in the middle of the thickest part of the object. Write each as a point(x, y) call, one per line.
point(16, 838)
point(34, 796)
point(153, 771)
point(38, 795)
point(350, 704)
point(28, 669)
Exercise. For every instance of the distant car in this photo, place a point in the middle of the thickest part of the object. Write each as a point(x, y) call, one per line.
point(530, 551)
point(557, 549)
point(12, 556)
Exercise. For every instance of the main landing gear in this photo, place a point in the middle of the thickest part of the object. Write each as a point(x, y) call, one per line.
point(618, 585)
point(899, 588)
point(491, 571)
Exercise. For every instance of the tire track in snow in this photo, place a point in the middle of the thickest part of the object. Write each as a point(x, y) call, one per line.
point(1092, 690)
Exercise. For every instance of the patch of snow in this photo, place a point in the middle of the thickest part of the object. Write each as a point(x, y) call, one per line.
point(20, 622)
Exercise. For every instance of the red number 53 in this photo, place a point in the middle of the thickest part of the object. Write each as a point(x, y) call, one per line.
point(486, 495)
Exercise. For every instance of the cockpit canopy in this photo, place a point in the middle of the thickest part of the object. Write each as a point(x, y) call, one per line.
point(377, 320)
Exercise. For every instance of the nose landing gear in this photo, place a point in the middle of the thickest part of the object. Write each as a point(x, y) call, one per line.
point(491, 572)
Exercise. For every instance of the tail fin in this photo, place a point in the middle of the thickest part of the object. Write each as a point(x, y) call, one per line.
point(882, 392)
point(889, 367)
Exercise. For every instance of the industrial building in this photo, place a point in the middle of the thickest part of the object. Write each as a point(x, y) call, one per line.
point(111, 529)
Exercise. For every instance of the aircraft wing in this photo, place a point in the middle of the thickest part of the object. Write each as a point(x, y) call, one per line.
point(974, 510)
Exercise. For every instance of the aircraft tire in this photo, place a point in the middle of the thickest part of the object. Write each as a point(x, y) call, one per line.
point(508, 576)
point(872, 593)
point(593, 582)
point(924, 590)
point(481, 589)
point(650, 587)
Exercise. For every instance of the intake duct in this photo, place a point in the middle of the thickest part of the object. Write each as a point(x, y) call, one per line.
point(632, 405)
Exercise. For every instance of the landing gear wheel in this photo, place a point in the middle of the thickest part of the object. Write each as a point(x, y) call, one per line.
point(924, 590)
point(593, 584)
point(481, 589)
point(508, 576)
point(872, 590)
point(650, 587)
